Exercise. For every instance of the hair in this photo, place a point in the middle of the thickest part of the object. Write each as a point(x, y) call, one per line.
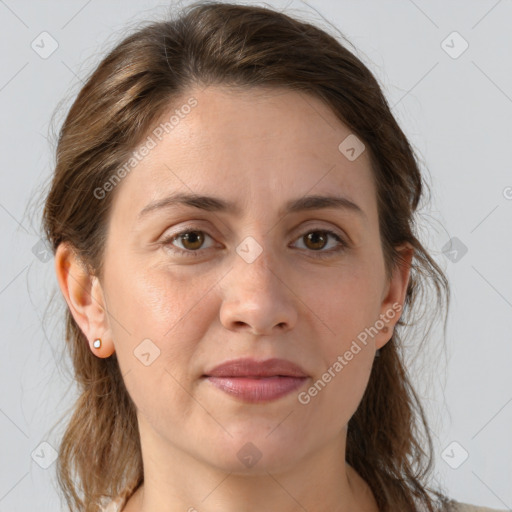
point(388, 440)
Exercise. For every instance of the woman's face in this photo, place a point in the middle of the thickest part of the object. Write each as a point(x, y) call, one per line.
point(255, 280)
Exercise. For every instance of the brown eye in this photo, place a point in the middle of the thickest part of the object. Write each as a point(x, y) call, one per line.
point(189, 242)
point(192, 243)
point(192, 240)
point(316, 240)
point(319, 243)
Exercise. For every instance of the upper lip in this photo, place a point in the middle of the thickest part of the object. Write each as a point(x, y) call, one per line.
point(247, 367)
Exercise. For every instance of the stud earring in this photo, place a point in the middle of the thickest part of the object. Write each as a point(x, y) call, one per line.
point(97, 343)
point(385, 329)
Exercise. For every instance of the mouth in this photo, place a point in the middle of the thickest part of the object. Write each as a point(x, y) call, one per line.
point(257, 381)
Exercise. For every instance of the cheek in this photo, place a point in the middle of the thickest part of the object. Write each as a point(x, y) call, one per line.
point(159, 322)
point(159, 319)
point(347, 388)
point(159, 303)
point(347, 364)
point(347, 303)
point(348, 307)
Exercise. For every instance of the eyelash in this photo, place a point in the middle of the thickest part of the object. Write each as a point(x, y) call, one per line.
point(321, 254)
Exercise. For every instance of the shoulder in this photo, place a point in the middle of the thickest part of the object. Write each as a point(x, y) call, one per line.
point(457, 506)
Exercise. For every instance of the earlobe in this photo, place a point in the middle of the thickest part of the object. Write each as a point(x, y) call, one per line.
point(83, 294)
point(393, 302)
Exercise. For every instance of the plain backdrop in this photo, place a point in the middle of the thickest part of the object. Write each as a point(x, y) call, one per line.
point(446, 70)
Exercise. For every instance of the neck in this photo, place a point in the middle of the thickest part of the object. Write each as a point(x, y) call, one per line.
point(320, 482)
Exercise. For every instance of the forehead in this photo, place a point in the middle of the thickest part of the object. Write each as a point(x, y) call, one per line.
point(268, 144)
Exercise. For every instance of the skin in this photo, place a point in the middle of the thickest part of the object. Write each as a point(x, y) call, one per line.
point(258, 148)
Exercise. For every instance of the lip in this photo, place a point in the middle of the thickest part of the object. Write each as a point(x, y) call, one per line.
point(248, 367)
point(257, 381)
point(257, 389)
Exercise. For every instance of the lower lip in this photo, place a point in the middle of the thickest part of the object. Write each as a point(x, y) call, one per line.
point(256, 390)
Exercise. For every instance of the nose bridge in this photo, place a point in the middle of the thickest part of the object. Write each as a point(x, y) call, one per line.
point(255, 293)
point(255, 263)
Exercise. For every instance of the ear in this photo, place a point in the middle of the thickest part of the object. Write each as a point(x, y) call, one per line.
point(85, 299)
point(394, 294)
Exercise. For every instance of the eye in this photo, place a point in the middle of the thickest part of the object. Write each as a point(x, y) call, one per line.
point(317, 239)
point(192, 240)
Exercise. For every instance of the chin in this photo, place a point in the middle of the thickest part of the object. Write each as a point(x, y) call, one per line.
point(253, 454)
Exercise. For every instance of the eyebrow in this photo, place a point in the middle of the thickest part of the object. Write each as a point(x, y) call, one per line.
point(214, 204)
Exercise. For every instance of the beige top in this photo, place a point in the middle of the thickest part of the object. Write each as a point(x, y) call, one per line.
point(115, 506)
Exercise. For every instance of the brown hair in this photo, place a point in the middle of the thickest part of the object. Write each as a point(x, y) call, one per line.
point(388, 441)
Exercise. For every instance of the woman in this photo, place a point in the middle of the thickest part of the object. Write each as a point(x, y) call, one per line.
point(232, 216)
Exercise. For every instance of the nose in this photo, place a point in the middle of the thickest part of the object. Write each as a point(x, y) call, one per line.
point(257, 297)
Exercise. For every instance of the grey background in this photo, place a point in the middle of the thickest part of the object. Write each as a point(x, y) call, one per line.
point(455, 111)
